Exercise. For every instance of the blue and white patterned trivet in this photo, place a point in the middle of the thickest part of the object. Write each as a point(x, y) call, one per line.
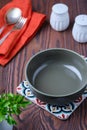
point(62, 112)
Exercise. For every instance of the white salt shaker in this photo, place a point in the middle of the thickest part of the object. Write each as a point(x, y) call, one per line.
point(79, 31)
point(59, 19)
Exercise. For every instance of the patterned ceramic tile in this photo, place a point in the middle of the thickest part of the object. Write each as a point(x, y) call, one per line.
point(61, 112)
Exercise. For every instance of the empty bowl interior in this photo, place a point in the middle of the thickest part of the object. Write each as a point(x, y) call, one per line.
point(57, 72)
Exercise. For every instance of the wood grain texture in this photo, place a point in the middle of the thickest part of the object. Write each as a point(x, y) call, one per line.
point(33, 117)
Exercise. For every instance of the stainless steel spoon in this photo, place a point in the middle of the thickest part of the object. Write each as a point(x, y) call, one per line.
point(11, 17)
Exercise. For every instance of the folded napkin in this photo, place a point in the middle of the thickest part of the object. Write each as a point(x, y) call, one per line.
point(17, 39)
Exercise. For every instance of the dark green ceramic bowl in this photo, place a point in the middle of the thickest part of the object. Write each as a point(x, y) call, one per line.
point(57, 75)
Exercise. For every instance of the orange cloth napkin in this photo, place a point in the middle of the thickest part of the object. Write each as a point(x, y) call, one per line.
point(17, 39)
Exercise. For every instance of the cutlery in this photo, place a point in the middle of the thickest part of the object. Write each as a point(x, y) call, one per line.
point(17, 26)
point(11, 17)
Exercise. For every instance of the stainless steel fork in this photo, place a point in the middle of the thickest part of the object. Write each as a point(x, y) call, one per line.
point(17, 26)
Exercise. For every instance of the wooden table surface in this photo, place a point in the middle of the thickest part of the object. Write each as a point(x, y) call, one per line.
point(33, 117)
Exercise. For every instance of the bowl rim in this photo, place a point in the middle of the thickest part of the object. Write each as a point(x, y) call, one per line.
point(47, 94)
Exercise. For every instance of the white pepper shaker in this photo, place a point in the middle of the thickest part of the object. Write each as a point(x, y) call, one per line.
point(79, 31)
point(59, 19)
